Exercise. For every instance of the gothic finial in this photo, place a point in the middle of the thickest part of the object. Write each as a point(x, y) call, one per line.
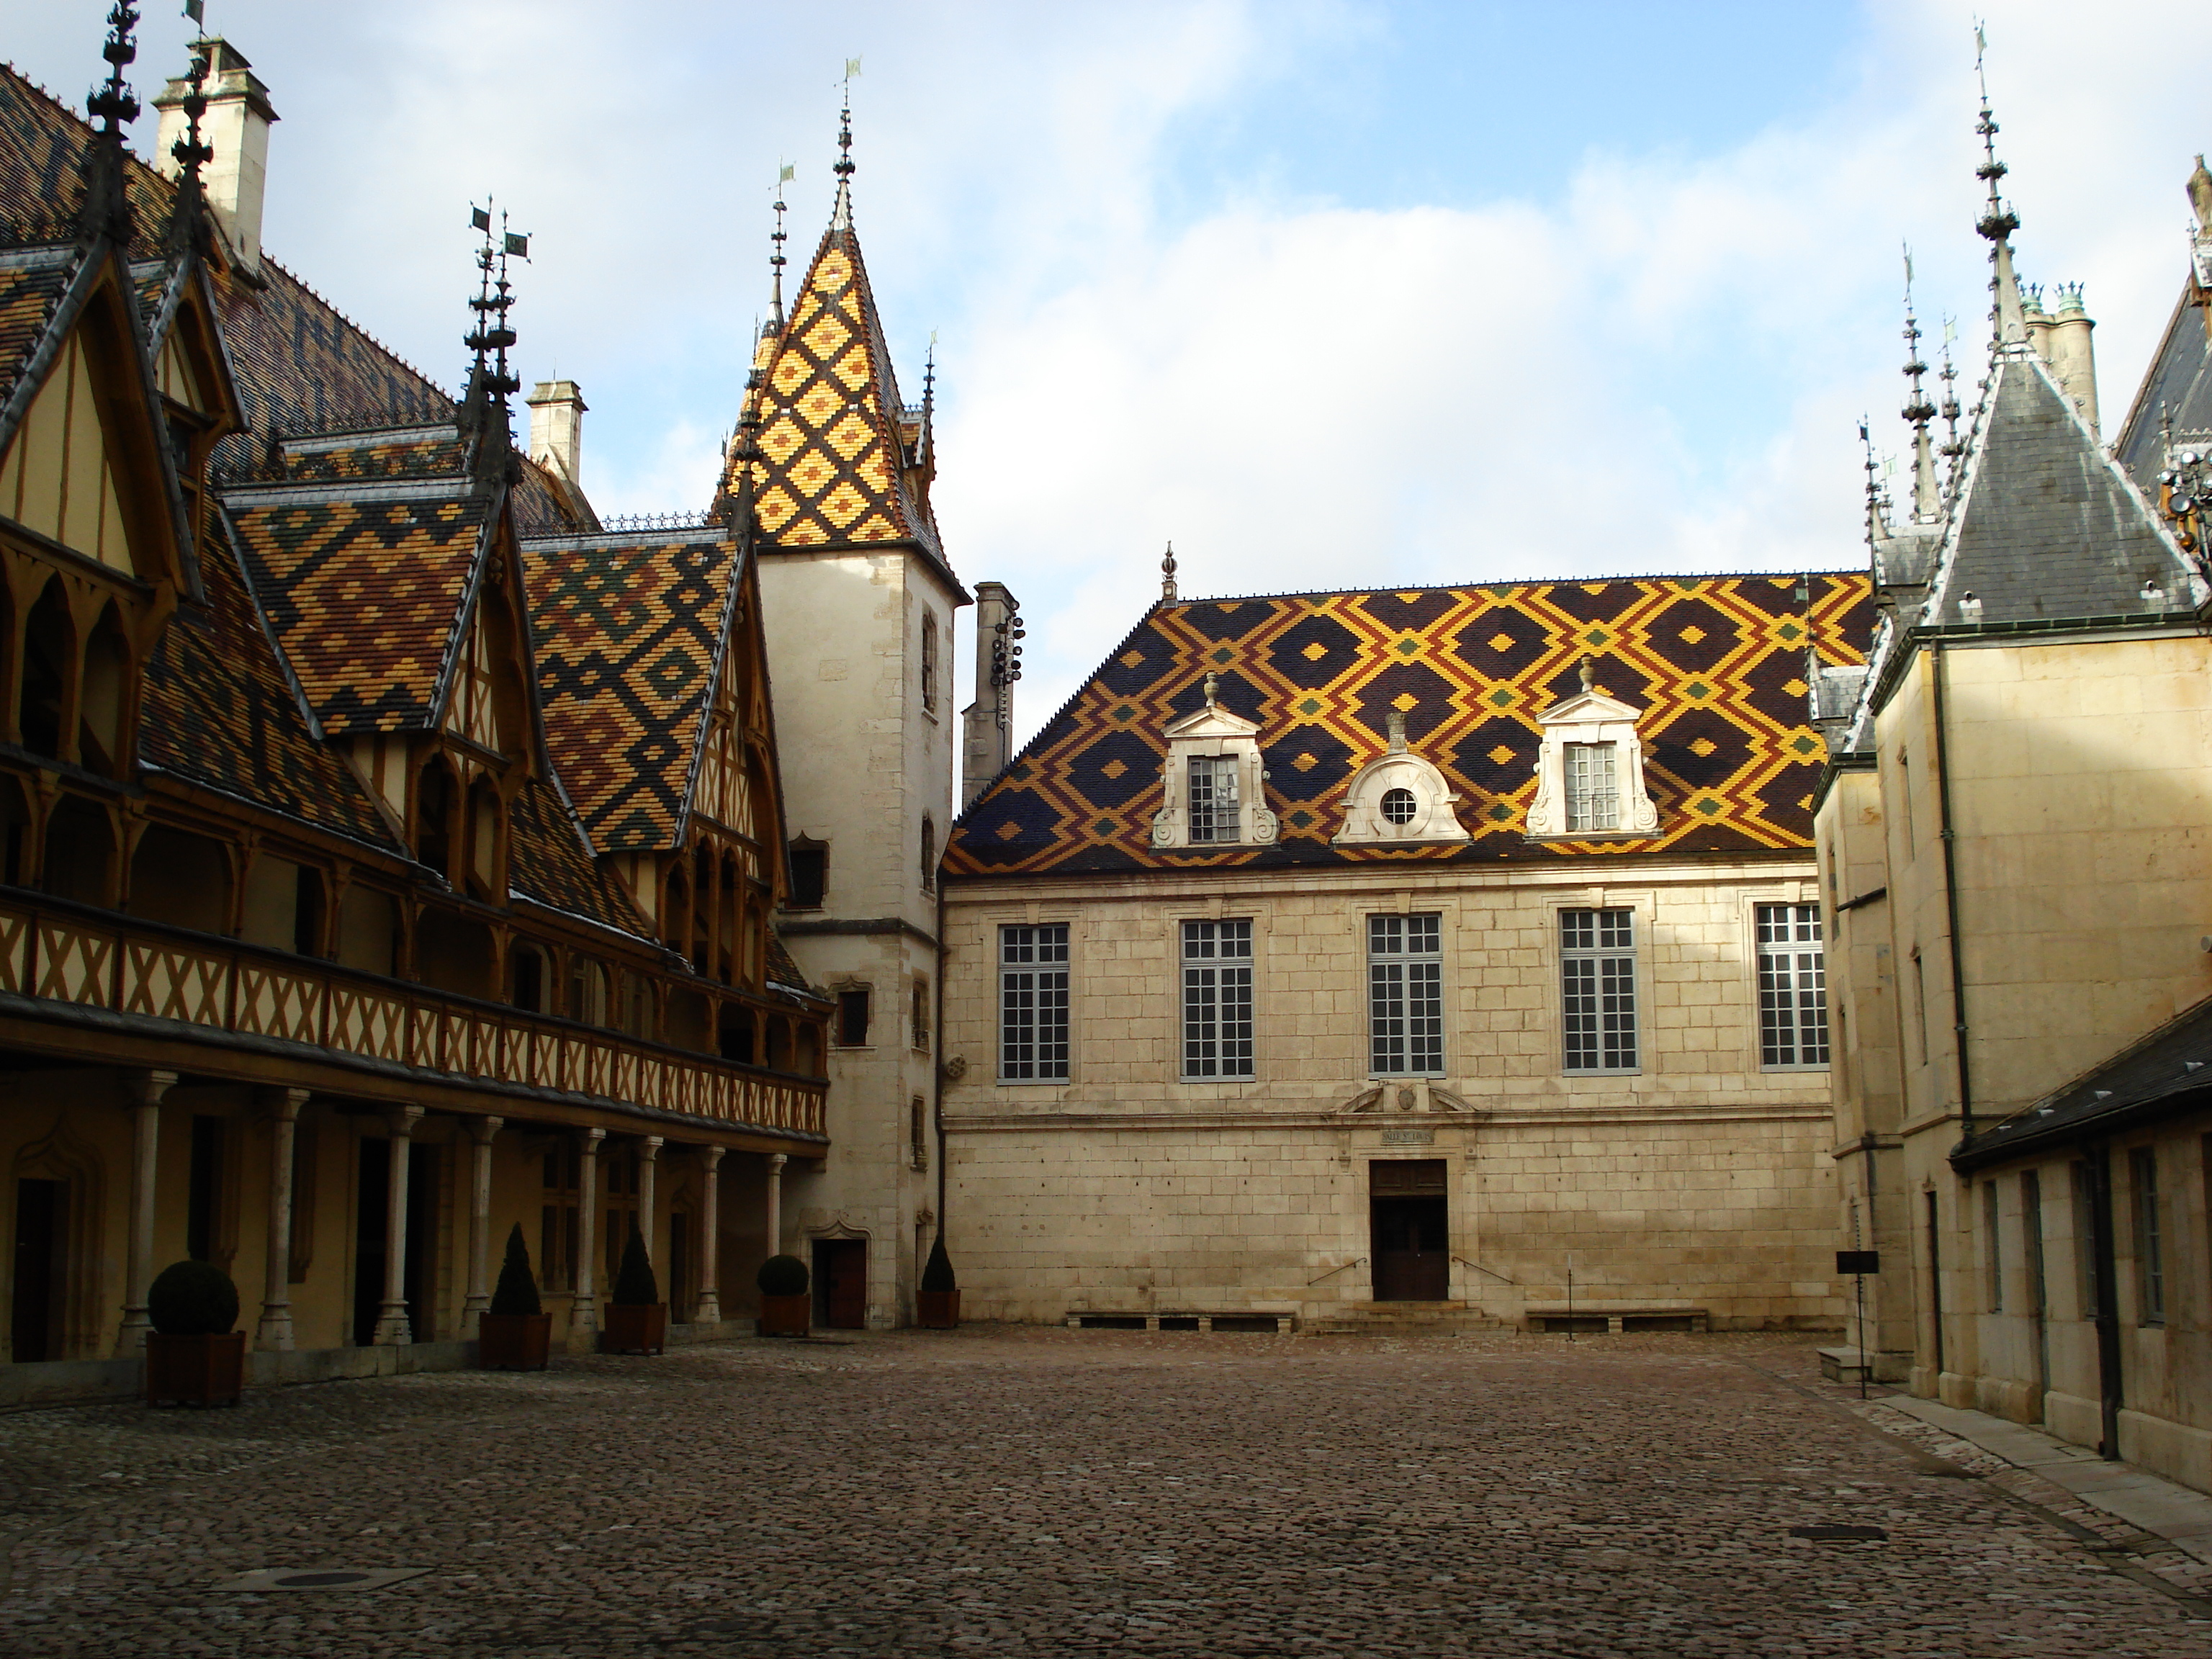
point(841, 219)
point(107, 209)
point(1998, 221)
point(784, 175)
point(1877, 529)
point(1952, 446)
point(925, 444)
point(1212, 683)
point(188, 215)
point(1168, 592)
point(491, 380)
point(1918, 411)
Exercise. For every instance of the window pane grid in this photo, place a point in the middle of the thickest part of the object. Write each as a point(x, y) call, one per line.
point(1213, 797)
point(1597, 972)
point(1033, 1003)
point(1593, 794)
point(1217, 999)
point(1793, 987)
point(1405, 995)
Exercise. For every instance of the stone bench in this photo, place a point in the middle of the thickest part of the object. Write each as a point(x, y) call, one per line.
point(1226, 1320)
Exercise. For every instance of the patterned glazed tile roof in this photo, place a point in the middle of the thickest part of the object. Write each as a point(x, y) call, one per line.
point(783, 970)
point(544, 505)
point(362, 592)
point(834, 464)
point(32, 282)
point(427, 453)
point(1716, 665)
point(42, 147)
point(551, 863)
point(219, 711)
point(629, 633)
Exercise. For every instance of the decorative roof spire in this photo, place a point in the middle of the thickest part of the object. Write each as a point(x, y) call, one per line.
point(841, 218)
point(784, 175)
point(489, 378)
point(1952, 446)
point(926, 444)
point(1918, 411)
point(107, 209)
point(1998, 222)
point(188, 217)
point(1168, 592)
point(1877, 522)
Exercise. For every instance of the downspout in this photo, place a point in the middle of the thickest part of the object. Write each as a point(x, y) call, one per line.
point(937, 1060)
point(2106, 1270)
point(1951, 903)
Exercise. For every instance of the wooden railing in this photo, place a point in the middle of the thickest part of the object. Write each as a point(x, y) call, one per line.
point(66, 953)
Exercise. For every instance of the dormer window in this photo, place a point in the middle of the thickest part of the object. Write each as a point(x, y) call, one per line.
point(1400, 800)
point(1589, 772)
point(1214, 784)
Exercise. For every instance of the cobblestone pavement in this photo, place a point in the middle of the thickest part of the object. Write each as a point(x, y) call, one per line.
point(1047, 1492)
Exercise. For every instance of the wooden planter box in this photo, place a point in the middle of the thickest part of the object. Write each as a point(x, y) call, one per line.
point(940, 1309)
point(633, 1330)
point(787, 1316)
point(513, 1342)
point(194, 1371)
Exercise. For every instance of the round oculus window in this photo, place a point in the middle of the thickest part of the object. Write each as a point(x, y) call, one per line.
point(1398, 806)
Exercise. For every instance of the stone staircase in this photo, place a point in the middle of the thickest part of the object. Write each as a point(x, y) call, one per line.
point(1406, 1319)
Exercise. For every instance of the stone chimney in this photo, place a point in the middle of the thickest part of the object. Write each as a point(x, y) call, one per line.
point(2073, 361)
point(989, 720)
point(236, 127)
point(556, 429)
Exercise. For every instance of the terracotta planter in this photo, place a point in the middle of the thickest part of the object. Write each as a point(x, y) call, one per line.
point(633, 1330)
point(787, 1316)
point(940, 1309)
point(513, 1342)
point(194, 1371)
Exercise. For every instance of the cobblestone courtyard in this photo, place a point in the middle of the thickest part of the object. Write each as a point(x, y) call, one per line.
point(1046, 1493)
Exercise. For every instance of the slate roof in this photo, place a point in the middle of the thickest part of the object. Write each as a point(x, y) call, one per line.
point(32, 283)
point(2179, 386)
point(834, 460)
point(630, 632)
point(1714, 663)
point(2045, 526)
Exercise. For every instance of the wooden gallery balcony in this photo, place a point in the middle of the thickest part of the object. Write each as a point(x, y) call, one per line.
point(91, 985)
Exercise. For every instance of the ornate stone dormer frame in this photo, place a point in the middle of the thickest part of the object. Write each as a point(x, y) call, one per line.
point(1214, 731)
point(1591, 718)
point(1434, 821)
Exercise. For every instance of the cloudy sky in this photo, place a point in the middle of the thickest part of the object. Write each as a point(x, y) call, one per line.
point(1332, 293)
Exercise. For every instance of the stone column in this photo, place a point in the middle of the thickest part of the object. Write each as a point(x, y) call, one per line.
point(483, 1129)
point(648, 1164)
point(708, 1310)
point(583, 1306)
point(391, 1326)
point(775, 1163)
point(274, 1334)
point(145, 1091)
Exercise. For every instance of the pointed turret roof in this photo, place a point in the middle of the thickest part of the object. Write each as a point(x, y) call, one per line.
point(834, 468)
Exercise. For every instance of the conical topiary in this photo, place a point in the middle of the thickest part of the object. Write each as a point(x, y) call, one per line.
point(192, 1299)
point(635, 1285)
point(782, 1275)
point(517, 1292)
point(938, 1275)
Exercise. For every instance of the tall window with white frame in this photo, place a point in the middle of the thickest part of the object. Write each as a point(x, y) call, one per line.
point(929, 661)
point(1592, 786)
point(1597, 974)
point(1405, 996)
point(1793, 987)
point(1213, 797)
point(1033, 1004)
point(1217, 999)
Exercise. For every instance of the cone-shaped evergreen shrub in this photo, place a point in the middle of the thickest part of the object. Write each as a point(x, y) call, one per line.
point(782, 1275)
point(192, 1299)
point(517, 1292)
point(635, 1285)
point(938, 1275)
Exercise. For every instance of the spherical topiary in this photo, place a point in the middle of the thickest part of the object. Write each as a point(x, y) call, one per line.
point(938, 1275)
point(192, 1299)
point(782, 1275)
point(517, 1292)
point(635, 1285)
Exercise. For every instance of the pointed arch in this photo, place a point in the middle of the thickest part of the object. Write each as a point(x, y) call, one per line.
point(104, 696)
point(48, 695)
point(80, 851)
point(72, 1174)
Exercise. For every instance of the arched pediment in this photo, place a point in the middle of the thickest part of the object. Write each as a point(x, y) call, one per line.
point(1400, 800)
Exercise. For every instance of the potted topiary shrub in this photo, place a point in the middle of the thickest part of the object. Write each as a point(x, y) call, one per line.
point(940, 1291)
point(786, 1309)
point(637, 1319)
point(193, 1356)
point(517, 1334)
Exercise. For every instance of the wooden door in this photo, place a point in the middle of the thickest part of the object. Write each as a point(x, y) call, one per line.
point(36, 1323)
point(1409, 1221)
point(841, 1283)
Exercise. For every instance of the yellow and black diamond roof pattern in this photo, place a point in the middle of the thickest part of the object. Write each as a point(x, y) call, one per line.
point(631, 633)
point(1715, 663)
point(832, 466)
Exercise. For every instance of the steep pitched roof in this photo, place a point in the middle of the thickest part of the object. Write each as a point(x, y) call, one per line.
point(834, 464)
point(2177, 388)
point(1714, 664)
point(32, 283)
point(630, 633)
point(2046, 527)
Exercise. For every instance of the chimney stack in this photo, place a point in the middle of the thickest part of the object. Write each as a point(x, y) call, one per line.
point(556, 429)
point(990, 719)
point(236, 127)
point(2072, 359)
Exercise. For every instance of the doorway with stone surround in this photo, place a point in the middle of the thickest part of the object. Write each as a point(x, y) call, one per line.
point(1409, 1222)
point(841, 1284)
